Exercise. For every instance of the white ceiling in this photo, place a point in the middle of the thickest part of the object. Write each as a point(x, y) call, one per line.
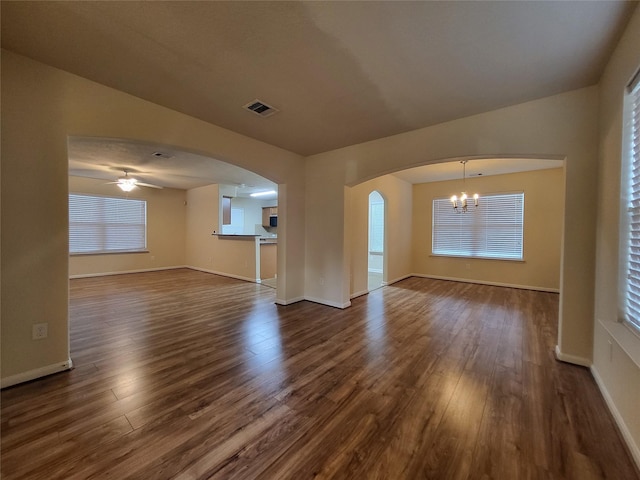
point(108, 158)
point(475, 168)
point(339, 72)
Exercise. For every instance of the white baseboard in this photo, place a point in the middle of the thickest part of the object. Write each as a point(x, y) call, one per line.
point(290, 301)
point(223, 274)
point(564, 357)
point(329, 304)
point(399, 279)
point(36, 373)
point(482, 282)
point(124, 272)
point(358, 294)
point(626, 434)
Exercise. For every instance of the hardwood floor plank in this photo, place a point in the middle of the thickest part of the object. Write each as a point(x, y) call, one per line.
point(183, 374)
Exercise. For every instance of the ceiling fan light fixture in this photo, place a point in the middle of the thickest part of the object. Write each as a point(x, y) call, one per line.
point(127, 184)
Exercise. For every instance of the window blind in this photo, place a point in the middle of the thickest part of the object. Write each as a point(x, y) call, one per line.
point(493, 230)
point(106, 224)
point(632, 307)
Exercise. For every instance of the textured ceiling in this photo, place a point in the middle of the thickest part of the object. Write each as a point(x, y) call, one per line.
point(108, 158)
point(339, 72)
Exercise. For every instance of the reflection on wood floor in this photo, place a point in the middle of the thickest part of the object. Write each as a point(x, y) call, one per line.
point(183, 374)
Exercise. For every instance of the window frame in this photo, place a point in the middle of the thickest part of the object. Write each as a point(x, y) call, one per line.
point(482, 231)
point(628, 196)
point(143, 249)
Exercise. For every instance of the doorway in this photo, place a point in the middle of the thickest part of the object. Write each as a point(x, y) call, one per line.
point(376, 261)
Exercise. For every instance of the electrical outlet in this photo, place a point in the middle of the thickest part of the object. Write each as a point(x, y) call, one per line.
point(39, 331)
point(321, 280)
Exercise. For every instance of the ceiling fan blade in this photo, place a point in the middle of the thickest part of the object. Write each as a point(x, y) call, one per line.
point(140, 184)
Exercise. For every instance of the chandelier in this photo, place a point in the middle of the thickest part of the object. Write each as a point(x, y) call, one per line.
point(460, 205)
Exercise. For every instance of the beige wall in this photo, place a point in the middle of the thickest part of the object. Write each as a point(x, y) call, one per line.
point(41, 106)
point(226, 256)
point(397, 194)
point(560, 127)
point(165, 230)
point(613, 367)
point(543, 217)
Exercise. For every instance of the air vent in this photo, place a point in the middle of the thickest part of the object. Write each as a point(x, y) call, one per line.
point(260, 108)
point(161, 155)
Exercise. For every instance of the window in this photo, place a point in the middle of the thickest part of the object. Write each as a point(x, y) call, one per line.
point(631, 192)
point(376, 223)
point(105, 224)
point(493, 230)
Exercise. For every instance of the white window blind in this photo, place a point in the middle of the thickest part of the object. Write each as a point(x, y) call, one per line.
point(105, 224)
point(632, 234)
point(493, 230)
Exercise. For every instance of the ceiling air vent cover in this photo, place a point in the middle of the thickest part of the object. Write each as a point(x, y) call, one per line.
point(260, 108)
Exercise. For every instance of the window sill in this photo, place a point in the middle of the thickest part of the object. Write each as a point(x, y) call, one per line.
point(627, 338)
point(439, 255)
point(120, 252)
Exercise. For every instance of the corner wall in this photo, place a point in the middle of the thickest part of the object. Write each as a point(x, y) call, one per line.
point(616, 359)
point(398, 207)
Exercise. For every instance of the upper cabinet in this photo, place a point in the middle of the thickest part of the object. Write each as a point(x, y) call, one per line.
point(267, 214)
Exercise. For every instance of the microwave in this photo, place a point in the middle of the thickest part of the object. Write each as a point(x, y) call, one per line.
point(273, 220)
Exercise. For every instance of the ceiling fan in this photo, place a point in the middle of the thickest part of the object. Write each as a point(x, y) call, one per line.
point(128, 183)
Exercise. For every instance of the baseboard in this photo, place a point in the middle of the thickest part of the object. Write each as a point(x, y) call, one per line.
point(626, 434)
point(359, 294)
point(124, 272)
point(36, 373)
point(329, 304)
point(290, 301)
point(396, 280)
point(564, 357)
point(482, 282)
point(223, 274)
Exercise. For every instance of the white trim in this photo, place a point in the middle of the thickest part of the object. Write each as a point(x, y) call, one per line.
point(375, 270)
point(223, 274)
point(329, 304)
point(36, 373)
point(124, 272)
point(358, 294)
point(565, 357)
point(626, 338)
point(626, 434)
point(483, 282)
point(290, 301)
point(399, 279)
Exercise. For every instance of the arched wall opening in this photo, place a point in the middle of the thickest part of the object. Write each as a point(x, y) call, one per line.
point(410, 194)
point(47, 106)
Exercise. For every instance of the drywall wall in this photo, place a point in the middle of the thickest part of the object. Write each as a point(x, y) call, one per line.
point(41, 106)
point(398, 206)
point(543, 218)
point(560, 127)
point(617, 373)
point(205, 251)
point(166, 213)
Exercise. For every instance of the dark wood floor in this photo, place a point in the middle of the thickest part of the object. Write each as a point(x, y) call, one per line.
point(182, 374)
